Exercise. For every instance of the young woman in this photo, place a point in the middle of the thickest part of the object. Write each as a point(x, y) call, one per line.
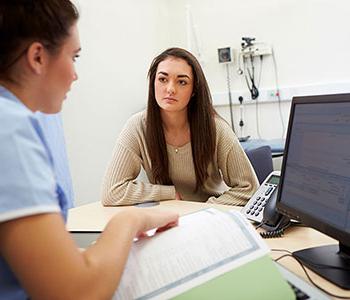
point(187, 151)
point(38, 258)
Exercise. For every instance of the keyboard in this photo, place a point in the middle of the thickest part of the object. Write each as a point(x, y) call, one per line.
point(302, 289)
point(299, 294)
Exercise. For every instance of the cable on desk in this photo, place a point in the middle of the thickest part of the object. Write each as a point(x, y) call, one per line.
point(282, 250)
point(272, 234)
point(259, 225)
point(276, 233)
point(290, 254)
point(323, 266)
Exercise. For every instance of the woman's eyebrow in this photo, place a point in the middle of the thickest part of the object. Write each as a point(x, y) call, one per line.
point(184, 75)
point(178, 76)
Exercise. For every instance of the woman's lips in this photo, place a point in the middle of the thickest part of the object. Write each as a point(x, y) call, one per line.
point(170, 99)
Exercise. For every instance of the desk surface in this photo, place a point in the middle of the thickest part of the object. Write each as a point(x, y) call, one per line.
point(94, 216)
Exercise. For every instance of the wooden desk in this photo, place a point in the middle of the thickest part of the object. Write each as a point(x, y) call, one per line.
point(94, 216)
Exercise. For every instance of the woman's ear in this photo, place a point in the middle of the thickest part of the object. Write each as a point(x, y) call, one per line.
point(36, 57)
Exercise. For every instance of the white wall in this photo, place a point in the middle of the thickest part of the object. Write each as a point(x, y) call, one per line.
point(309, 37)
point(119, 39)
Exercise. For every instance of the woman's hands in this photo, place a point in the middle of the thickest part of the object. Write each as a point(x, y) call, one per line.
point(178, 196)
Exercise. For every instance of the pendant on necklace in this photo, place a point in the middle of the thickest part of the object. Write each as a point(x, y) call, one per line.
point(176, 150)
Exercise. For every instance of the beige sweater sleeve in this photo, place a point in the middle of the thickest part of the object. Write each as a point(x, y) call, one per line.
point(236, 170)
point(120, 186)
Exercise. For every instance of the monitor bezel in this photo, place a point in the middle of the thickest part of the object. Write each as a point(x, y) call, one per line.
point(292, 212)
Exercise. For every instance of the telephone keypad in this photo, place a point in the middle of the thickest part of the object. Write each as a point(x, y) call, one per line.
point(254, 209)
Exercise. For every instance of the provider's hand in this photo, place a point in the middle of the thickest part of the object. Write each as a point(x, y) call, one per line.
point(150, 218)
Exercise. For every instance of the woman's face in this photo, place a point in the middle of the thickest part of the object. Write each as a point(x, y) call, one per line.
point(173, 84)
point(60, 73)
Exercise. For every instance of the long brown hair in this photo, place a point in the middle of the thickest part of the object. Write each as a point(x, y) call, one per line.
point(23, 22)
point(200, 116)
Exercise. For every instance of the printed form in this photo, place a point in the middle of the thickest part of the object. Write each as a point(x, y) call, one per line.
point(203, 246)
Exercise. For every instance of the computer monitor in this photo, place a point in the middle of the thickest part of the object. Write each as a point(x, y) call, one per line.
point(315, 180)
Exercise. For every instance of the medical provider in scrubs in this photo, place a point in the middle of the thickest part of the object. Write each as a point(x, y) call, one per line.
point(38, 258)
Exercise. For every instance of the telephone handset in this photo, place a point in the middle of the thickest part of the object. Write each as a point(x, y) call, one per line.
point(261, 207)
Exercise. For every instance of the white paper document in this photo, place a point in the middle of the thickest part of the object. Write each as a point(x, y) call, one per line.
point(204, 245)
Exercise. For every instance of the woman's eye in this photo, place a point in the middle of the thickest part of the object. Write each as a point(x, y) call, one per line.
point(183, 82)
point(76, 57)
point(162, 79)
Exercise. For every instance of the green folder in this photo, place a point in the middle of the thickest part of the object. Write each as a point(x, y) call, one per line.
point(258, 279)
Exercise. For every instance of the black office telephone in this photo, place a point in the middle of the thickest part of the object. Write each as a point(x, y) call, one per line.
point(261, 208)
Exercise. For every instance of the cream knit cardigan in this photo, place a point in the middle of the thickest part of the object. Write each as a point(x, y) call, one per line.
point(231, 177)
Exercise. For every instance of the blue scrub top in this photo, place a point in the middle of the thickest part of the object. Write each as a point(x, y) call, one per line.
point(27, 181)
point(52, 127)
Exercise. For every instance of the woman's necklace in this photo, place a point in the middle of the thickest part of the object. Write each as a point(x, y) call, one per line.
point(178, 141)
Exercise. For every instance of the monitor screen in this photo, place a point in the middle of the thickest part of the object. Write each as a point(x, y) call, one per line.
point(315, 179)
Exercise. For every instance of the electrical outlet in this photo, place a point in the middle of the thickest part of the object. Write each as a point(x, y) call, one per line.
point(225, 55)
point(257, 50)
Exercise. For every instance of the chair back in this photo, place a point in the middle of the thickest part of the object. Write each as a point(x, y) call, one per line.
point(261, 160)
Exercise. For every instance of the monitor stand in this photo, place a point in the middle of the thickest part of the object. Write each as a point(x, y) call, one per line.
point(331, 262)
